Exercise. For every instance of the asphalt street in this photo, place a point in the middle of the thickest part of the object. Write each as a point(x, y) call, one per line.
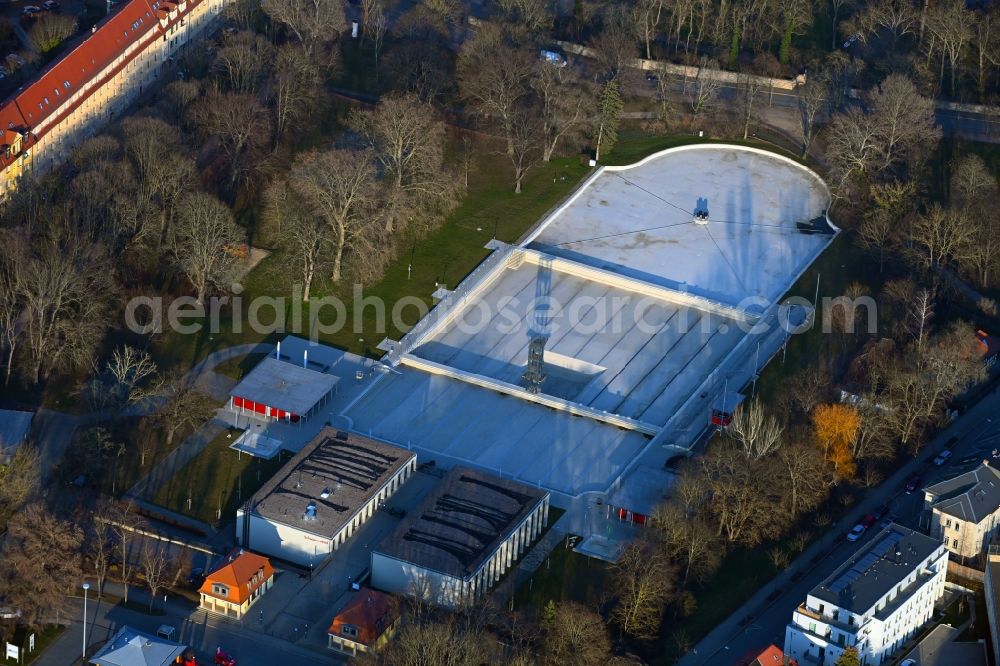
point(978, 433)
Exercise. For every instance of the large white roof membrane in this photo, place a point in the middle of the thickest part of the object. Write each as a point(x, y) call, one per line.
point(637, 220)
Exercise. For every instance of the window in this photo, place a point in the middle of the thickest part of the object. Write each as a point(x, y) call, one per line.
point(954, 543)
point(219, 589)
point(349, 630)
point(947, 523)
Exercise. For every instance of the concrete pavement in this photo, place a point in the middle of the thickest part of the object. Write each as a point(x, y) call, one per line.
point(762, 619)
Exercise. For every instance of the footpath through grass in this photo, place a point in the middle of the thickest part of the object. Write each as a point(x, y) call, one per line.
point(217, 481)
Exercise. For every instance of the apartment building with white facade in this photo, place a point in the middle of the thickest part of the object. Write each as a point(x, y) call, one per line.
point(874, 602)
point(100, 74)
point(965, 512)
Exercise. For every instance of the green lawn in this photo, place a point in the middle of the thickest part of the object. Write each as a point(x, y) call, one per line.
point(218, 478)
point(235, 368)
point(43, 638)
point(566, 576)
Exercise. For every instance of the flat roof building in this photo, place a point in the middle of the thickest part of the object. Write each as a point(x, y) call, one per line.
point(322, 496)
point(615, 331)
point(874, 602)
point(280, 390)
point(462, 537)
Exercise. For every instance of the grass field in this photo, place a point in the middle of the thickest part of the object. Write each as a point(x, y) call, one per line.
point(566, 576)
point(236, 368)
point(216, 481)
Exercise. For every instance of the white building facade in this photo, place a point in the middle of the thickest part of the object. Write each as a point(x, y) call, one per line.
point(283, 523)
point(97, 79)
point(875, 602)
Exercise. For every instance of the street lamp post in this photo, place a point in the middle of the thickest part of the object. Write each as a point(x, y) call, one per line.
point(86, 586)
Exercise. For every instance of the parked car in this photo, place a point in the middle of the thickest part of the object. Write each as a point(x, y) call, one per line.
point(31, 10)
point(223, 659)
point(913, 484)
point(889, 520)
point(952, 441)
point(50, 6)
point(851, 40)
point(856, 532)
point(868, 521)
point(942, 457)
point(881, 511)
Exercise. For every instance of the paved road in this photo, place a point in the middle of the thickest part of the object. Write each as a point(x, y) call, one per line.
point(979, 433)
point(200, 630)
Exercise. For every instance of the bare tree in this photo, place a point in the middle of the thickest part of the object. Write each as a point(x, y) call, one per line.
point(689, 540)
point(615, 45)
point(407, 137)
point(527, 143)
point(311, 21)
point(749, 87)
point(575, 634)
point(702, 91)
point(972, 184)
point(812, 100)
point(646, 17)
point(100, 543)
point(50, 30)
point(339, 187)
point(376, 27)
point(19, 479)
point(836, 7)
point(40, 563)
point(920, 313)
point(644, 581)
point(805, 476)
point(305, 236)
point(951, 24)
point(205, 243)
point(295, 87)
point(181, 406)
point(240, 125)
point(941, 236)
point(493, 72)
point(124, 521)
point(903, 121)
point(244, 60)
point(565, 109)
point(156, 567)
point(757, 433)
point(62, 284)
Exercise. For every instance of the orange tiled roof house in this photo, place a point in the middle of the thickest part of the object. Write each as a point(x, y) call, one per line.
point(101, 73)
point(235, 585)
point(366, 623)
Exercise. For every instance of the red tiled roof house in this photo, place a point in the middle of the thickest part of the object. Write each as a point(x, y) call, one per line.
point(101, 73)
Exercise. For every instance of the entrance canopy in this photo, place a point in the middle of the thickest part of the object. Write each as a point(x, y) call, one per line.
point(257, 444)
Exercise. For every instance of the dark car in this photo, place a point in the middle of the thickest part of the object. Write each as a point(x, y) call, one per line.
point(913, 484)
point(881, 511)
point(869, 520)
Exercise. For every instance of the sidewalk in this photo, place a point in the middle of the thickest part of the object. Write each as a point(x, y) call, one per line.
point(733, 627)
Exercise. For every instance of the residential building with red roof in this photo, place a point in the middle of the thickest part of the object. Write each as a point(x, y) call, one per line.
point(236, 584)
point(366, 623)
point(101, 73)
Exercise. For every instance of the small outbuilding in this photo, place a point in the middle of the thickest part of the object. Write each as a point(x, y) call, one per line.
point(280, 390)
point(131, 647)
point(236, 584)
point(366, 623)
